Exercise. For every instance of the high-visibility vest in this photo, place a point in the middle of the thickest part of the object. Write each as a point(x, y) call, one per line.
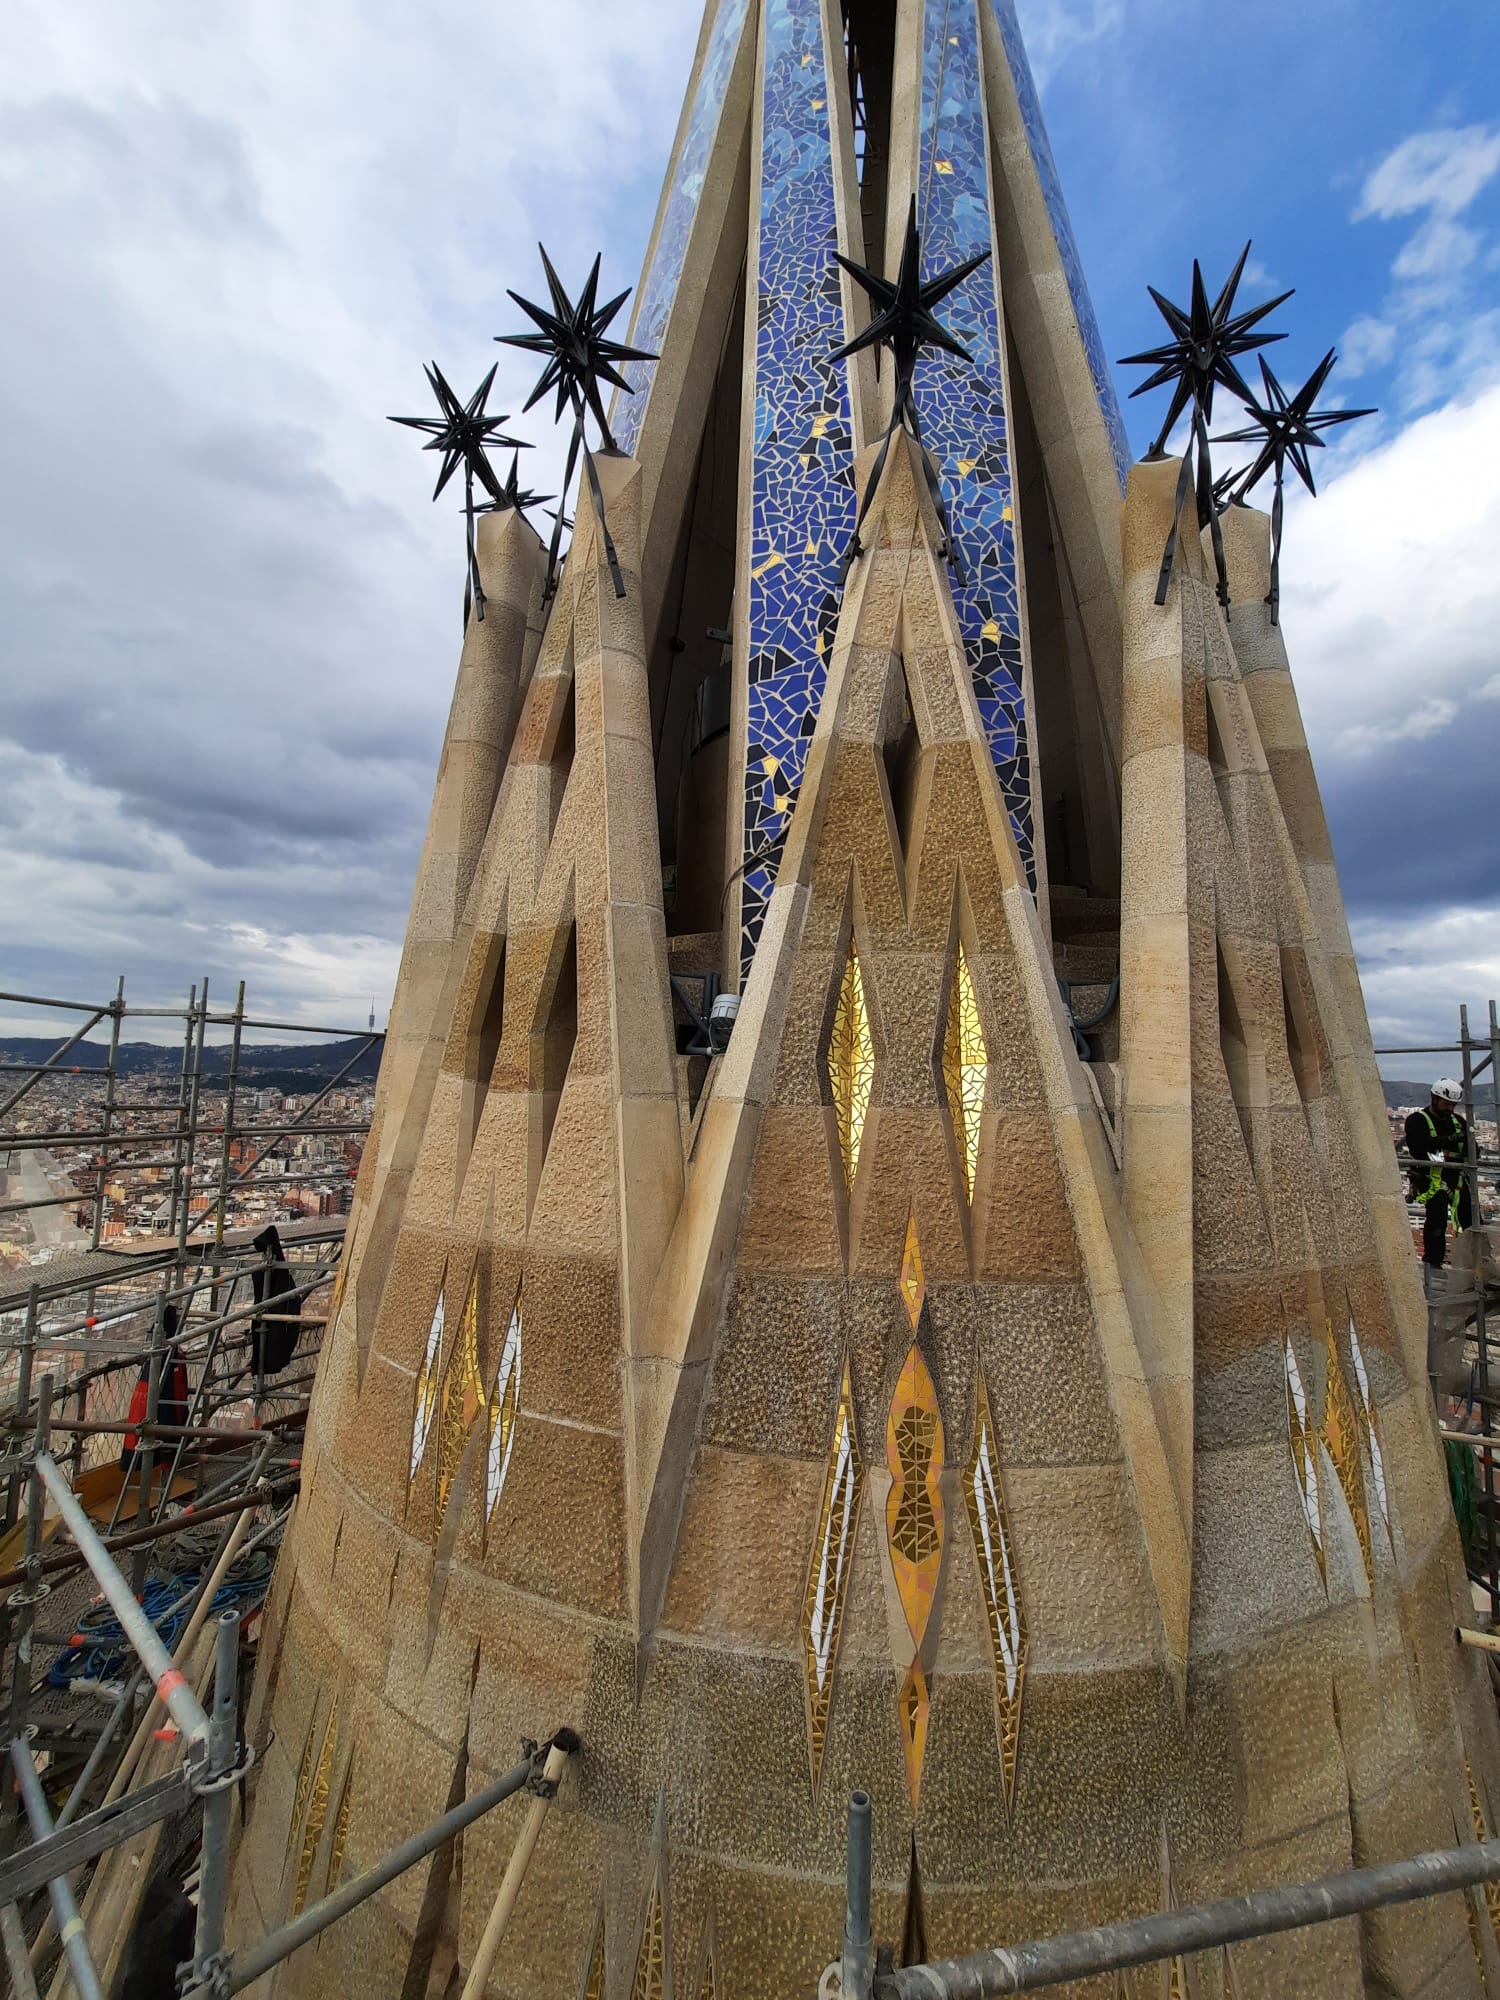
point(1435, 1177)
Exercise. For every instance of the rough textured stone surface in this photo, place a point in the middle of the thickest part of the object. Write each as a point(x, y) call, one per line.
point(671, 1481)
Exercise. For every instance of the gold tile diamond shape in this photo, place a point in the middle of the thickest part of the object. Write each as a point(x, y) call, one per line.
point(428, 1382)
point(994, 1551)
point(1304, 1448)
point(828, 1572)
point(463, 1395)
point(1342, 1438)
point(966, 1067)
point(504, 1404)
point(851, 1063)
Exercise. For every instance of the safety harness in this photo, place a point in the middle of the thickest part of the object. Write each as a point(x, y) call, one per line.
point(1435, 1183)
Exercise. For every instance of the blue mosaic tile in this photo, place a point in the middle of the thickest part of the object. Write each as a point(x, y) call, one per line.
point(658, 287)
point(802, 498)
point(1062, 230)
point(961, 405)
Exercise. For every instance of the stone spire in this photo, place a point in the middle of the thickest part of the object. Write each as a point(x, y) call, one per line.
point(991, 1373)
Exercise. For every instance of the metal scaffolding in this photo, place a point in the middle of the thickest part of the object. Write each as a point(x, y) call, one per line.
point(151, 1455)
point(184, 1225)
point(1474, 1270)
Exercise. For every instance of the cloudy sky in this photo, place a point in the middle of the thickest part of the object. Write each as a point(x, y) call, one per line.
point(231, 236)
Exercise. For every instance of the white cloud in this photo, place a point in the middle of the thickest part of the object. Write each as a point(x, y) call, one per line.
point(1439, 246)
point(1434, 324)
point(1390, 581)
point(1367, 343)
point(1441, 170)
point(1425, 718)
point(230, 239)
point(1054, 30)
point(1417, 970)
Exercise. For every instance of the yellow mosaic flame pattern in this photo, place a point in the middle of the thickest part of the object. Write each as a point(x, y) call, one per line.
point(463, 1396)
point(317, 1808)
point(994, 1551)
point(915, 1708)
point(708, 1985)
point(504, 1404)
point(594, 1990)
point(914, 1505)
point(828, 1573)
point(1304, 1448)
point(1492, 1888)
point(966, 1064)
point(851, 1063)
point(913, 1277)
point(914, 1533)
point(1342, 1439)
point(340, 1832)
point(427, 1383)
point(650, 1973)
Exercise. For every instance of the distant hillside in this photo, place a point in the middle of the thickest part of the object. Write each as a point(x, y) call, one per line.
point(271, 1066)
point(1407, 1093)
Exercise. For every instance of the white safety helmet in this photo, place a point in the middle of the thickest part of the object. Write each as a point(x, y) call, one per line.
point(1448, 1090)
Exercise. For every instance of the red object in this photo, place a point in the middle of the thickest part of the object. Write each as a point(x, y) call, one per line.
point(171, 1402)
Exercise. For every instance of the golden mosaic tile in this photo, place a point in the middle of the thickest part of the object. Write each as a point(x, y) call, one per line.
point(1304, 1447)
point(913, 1279)
point(1342, 1440)
point(914, 1506)
point(650, 1965)
point(1491, 1888)
point(428, 1382)
point(965, 1067)
point(1365, 1410)
point(994, 1552)
point(504, 1403)
point(317, 1809)
point(593, 1988)
point(851, 1063)
point(828, 1573)
point(340, 1832)
point(463, 1395)
point(914, 1709)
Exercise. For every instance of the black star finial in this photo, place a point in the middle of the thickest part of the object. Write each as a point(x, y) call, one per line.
point(513, 495)
point(579, 357)
point(463, 433)
point(1285, 427)
point(905, 322)
point(1200, 356)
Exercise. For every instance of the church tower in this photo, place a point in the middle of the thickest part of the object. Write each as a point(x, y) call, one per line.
point(986, 1368)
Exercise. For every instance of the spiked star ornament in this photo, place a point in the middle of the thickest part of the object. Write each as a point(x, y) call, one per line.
point(579, 357)
point(513, 495)
point(464, 433)
point(1202, 354)
point(1285, 427)
point(904, 320)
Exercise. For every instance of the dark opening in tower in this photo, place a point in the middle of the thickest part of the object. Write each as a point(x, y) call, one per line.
point(690, 674)
point(1079, 787)
point(869, 51)
point(559, 1034)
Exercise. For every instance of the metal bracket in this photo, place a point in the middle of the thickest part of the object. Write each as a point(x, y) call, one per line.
point(226, 1780)
point(536, 1756)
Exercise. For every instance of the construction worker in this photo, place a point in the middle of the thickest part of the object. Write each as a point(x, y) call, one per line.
point(1439, 1134)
